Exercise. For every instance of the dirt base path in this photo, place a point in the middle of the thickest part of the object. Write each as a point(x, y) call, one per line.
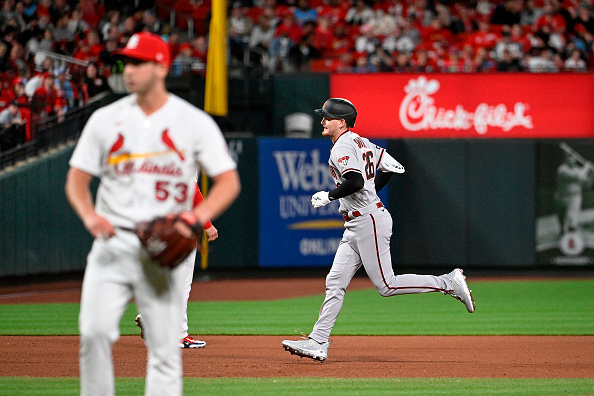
point(263, 356)
point(349, 357)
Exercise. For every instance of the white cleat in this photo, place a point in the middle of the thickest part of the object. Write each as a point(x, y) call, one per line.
point(461, 291)
point(307, 347)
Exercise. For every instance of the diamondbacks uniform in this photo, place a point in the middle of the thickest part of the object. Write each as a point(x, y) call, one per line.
point(147, 168)
point(366, 239)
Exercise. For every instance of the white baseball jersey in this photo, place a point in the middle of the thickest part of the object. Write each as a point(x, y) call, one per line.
point(366, 238)
point(353, 153)
point(147, 164)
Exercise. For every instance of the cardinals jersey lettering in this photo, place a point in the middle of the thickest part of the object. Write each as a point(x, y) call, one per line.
point(147, 164)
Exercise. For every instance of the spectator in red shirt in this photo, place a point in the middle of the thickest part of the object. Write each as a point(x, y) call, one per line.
point(323, 35)
point(552, 20)
point(289, 29)
point(48, 100)
point(484, 37)
point(335, 11)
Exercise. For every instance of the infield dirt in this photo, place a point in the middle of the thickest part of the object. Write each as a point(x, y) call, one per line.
point(263, 356)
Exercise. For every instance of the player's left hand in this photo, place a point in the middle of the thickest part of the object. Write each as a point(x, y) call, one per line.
point(320, 199)
point(212, 233)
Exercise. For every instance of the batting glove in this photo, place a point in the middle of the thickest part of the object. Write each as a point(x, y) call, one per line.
point(320, 199)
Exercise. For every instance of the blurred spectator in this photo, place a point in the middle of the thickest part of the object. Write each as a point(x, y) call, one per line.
point(36, 81)
point(48, 100)
point(5, 97)
point(61, 31)
point(335, 11)
point(367, 42)
point(150, 23)
point(287, 34)
point(481, 62)
point(106, 58)
point(359, 14)
point(70, 90)
point(363, 66)
point(422, 63)
point(507, 13)
point(462, 20)
point(530, 13)
point(111, 19)
point(437, 35)
point(92, 11)
point(304, 13)
point(505, 43)
point(542, 63)
point(483, 37)
point(4, 57)
point(507, 63)
point(77, 25)
point(344, 63)
point(384, 24)
point(262, 34)
point(24, 104)
point(323, 35)
point(239, 27)
point(301, 55)
point(419, 13)
point(575, 62)
point(9, 13)
point(484, 8)
point(584, 17)
point(279, 51)
point(200, 48)
point(551, 21)
point(12, 132)
point(403, 63)
point(186, 62)
point(260, 39)
point(93, 83)
point(342, 41)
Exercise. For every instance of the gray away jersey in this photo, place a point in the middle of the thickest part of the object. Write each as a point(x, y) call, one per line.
point(353, 153)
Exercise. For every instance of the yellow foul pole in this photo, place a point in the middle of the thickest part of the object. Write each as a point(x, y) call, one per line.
point(215, 95)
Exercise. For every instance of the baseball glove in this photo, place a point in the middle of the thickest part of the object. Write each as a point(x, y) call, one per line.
point(169, 239)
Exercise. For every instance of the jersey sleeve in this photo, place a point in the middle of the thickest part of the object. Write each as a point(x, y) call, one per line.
point(346, 159)
point(87, 155)
point(213, 154)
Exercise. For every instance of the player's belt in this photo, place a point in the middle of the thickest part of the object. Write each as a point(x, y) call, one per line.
point(355, 213)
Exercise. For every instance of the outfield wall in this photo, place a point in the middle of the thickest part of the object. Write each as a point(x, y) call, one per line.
point(462, 201)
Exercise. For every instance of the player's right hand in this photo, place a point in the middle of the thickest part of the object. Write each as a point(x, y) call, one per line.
point(99, 227)
point(320, 199)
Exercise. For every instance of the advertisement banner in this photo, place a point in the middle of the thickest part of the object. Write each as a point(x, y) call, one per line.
point(469, 105)
point(292, 232)
point(565, 204)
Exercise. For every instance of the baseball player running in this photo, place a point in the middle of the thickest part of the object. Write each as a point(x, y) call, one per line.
point(360, 169)
point(145, 149)
point(187, 341)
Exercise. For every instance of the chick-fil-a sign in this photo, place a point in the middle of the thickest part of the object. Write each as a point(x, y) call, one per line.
point(470, 105)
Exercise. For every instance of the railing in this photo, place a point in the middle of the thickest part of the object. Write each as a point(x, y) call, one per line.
point(50, 133)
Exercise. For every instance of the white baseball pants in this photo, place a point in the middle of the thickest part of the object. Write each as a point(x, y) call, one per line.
point(114, 274)
point(366, 241)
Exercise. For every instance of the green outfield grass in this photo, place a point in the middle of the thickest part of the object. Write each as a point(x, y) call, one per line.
point(317, 386)
point(551, 307)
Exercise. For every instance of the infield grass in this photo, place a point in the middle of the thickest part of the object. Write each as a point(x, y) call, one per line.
point(548, 307)
point(23, 386)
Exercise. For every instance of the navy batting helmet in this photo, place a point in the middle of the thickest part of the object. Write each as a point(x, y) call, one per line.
point(339, 108)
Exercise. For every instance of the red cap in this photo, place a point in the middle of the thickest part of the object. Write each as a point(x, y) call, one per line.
point(47, 75)
point(148, 47)
point(185, 46)
point(18, 80)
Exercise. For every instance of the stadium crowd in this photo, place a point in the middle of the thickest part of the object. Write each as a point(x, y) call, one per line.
point(343, 36)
